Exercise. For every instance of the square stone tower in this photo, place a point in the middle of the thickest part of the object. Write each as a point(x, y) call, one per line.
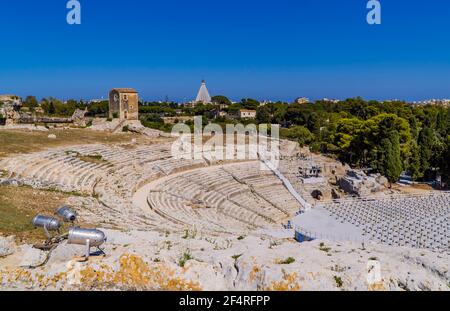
point(124, 104)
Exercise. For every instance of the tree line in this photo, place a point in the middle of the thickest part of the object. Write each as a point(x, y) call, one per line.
point(54, 107)
point(388, 137)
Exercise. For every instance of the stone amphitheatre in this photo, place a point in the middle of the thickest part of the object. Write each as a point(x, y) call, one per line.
point(225, 225)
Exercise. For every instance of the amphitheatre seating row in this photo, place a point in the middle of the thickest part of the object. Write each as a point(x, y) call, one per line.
point(184, 213)
point(219, 192)
point(231, 198)
point(62, 167)
point(267, 185)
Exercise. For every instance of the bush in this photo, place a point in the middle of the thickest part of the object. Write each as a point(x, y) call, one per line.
point(236, 257)
point(301, 134)
point(185, 258)
point(99, 108)
point(154, 118)
point(315, 147)
point(287, 261)
point(323, 248)
point(158, 126)
point(338, 281)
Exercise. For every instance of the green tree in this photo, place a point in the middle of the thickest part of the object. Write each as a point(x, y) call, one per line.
point(415, 165)
point(99, 108)
point(426, 142)
point(51, 108)
point(249, 103)
point(263, 115)
point(445, 162)
point(392, 163)
point(346, 136)
point(221, 100)
point(301, 134)
point(30, 102)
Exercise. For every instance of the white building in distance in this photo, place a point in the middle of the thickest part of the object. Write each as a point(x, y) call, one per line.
point(302, 100)
point(203, 94)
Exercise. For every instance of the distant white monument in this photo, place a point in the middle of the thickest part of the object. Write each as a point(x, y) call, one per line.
point(203, 94)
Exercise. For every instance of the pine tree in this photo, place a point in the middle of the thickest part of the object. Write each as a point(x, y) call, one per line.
point(426, 144)
point(392, 163)
point(415, 166)
point(51, 109)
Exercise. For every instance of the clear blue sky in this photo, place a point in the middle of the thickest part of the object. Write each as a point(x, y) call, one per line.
point(278, 49)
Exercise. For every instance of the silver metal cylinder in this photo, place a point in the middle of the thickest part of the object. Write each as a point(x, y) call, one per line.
point(81, 236)
point(50, 223)
point(66, 213)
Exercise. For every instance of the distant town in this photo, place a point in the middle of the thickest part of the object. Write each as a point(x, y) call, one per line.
point(218, 106)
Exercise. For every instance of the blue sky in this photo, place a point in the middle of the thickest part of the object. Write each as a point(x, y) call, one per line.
point(264, 49)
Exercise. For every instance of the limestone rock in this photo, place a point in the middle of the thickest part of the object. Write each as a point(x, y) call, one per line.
point(31, 256)
point(79, 117)
point(137, 127)
point(152, 261)
point(11, 182)
point(7, 246)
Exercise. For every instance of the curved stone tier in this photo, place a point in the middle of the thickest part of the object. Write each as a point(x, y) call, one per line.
point(236, 197)
point(183, 194)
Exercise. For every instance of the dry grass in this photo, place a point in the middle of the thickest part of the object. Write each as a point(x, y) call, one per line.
point(18, 206)
point(15, 142)
point(413, 189)
point(422, 187)
point(90, 158)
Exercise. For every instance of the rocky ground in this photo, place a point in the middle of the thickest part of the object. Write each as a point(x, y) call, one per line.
point(150, 260)
point(139, 260)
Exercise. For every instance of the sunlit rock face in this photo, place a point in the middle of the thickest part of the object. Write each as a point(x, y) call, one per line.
point(137, 260)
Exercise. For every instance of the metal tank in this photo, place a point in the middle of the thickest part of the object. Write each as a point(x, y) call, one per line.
point(49, 223)
point(66, 213)
point(91, 237)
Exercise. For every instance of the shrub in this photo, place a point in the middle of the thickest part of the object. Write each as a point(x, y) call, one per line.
point(315, 147)
point(185, 258)
point(323, 248)
point(338, 281)
point(236, 257)
point(287, 261)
